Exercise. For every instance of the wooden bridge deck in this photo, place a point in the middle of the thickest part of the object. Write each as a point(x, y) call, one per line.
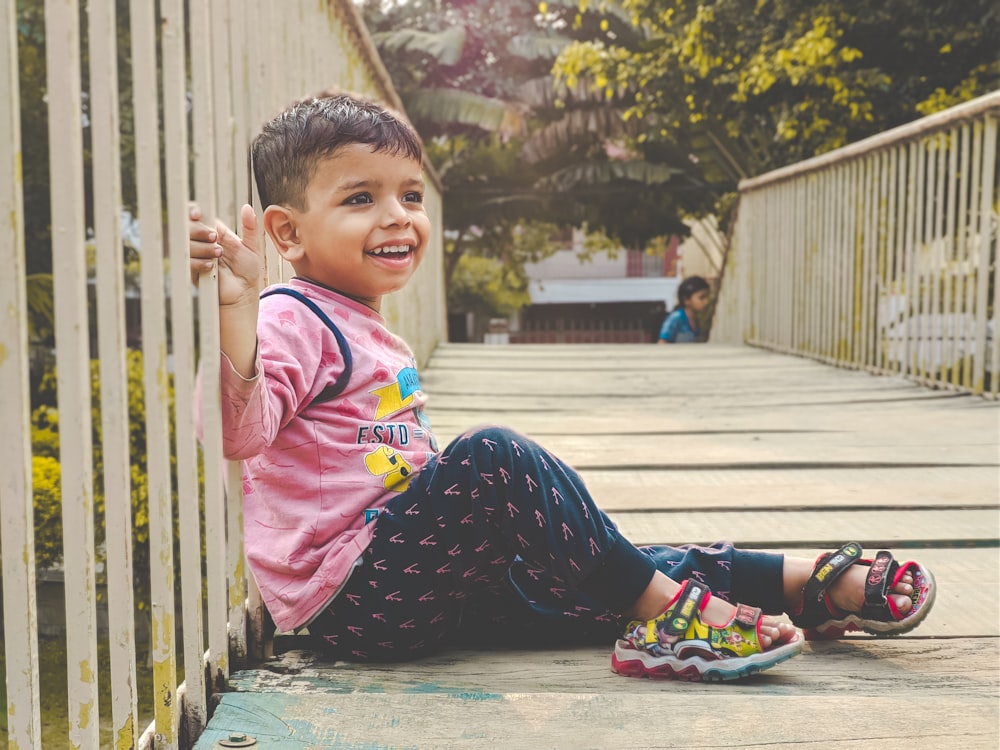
point(695, 444)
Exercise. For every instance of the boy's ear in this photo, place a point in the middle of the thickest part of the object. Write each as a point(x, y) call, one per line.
point(279, 223)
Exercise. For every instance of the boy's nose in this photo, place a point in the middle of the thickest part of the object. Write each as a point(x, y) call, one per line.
point(396, 214)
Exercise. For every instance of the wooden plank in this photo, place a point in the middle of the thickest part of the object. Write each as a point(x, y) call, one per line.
point(813, 450)
point(843, 693)
point(706, 488)
point(782, 526)
point(939, 667)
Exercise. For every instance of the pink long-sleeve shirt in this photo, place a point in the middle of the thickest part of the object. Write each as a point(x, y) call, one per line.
point(314, 473)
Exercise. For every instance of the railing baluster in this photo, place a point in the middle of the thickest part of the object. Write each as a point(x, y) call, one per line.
point(994, 357)
point(205, 179)
point(17, 527)
point(105, 128)
point(938, 266)
point(949, 274)
point(963, 364)
point(844, 232)
point(974, 250)
point(177, 175)
point(73, 365)
point(986, 222)
point(887, 228)
point(143, 26)
point(909, 258)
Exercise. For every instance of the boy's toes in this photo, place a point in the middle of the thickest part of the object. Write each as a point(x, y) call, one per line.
point(774, 632)
point(903, 603)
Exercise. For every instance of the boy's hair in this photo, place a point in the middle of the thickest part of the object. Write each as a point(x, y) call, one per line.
point(690, 287)
point(288, 150)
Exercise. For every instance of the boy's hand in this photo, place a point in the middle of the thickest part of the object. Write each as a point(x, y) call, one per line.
point(240, 261)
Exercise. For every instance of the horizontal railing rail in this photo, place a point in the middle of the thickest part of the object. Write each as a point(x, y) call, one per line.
point(879, 256)
point(204, 74)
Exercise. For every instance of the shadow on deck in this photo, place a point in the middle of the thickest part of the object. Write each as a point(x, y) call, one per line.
point(695, 444)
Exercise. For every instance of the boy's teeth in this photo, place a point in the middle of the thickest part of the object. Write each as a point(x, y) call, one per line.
point(393, 249)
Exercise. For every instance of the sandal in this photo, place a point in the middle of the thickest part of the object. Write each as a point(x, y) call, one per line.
point(680, 645)
point(879, 615)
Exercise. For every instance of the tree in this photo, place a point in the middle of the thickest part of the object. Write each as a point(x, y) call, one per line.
point(751, 85)
point(512, 145)
point(34, 130)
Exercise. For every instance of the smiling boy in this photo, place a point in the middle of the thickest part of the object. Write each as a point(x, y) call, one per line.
point(356, 525)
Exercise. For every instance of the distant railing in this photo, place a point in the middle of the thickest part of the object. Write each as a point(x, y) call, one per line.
point(879, 256)
point(247, 59)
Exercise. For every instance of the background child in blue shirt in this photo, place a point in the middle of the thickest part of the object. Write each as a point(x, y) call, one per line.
point(681, 325)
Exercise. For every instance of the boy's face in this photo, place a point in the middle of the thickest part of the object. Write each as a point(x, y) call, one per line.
point(365, 229)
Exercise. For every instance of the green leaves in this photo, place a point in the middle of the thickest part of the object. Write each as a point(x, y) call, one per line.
point(448, 107)
point(752, 85)
point(445, 47)
point(599, 176)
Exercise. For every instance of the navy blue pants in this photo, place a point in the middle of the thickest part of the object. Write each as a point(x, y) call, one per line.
point(496, 541)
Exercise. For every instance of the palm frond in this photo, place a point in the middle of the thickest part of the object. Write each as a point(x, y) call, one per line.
point(446, 106)
point(602, 173)
point(444, 46)
point(537, 46)
point(600, 123)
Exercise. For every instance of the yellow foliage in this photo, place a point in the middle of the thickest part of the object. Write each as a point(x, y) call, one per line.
point(968, 89)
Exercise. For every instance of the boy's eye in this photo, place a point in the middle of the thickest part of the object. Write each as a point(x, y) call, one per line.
point(413, 197)
point(359, 199)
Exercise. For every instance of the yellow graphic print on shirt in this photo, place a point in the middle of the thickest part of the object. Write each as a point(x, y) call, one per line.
point(387, 463)
point(396, 396)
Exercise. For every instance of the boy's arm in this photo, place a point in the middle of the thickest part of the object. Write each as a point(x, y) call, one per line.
point(241, 278)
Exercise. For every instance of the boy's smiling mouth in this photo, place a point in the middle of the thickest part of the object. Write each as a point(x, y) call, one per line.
point(391, 250)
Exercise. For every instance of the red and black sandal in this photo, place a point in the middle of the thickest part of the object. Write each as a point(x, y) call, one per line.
point(820, 619)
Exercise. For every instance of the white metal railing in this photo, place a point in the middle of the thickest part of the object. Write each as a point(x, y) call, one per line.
point(238, 77)
point(880, 256)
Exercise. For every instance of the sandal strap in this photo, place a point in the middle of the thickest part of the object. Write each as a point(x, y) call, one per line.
point(747, 616)
point(688, 605)
point(682, 621)
point(685, 607)
point(828, 568)
point(880, 577)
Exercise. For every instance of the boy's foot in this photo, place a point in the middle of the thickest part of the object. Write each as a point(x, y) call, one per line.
point(879, 596)
point(686, 643)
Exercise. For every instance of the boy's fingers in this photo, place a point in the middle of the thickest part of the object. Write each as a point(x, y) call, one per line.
point(198, 232)
point(226, 236)
point(198, 267)
point(248, 219)
point(207, 251)
point(194, 211)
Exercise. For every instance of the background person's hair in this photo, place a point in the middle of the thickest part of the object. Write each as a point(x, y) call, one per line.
point(287, 152)
point(690, 287)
